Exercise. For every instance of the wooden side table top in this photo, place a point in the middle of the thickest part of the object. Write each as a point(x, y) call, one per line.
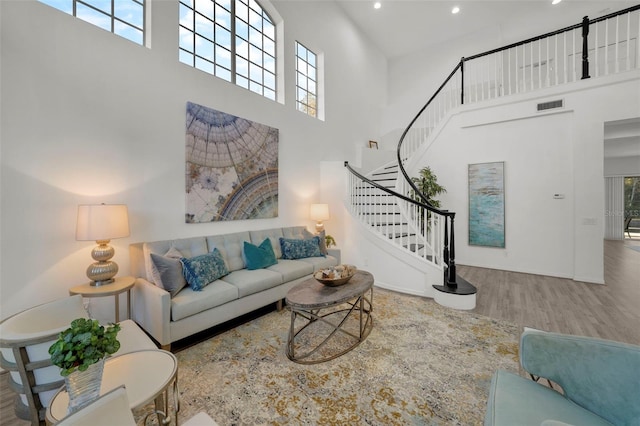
point(120, 285)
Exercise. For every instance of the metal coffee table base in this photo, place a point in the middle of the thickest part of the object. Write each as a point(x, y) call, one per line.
point(362, 307)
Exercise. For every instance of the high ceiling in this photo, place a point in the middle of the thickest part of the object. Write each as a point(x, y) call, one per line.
point(400, 27)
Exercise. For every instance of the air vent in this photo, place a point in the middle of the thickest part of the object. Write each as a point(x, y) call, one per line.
point(550, 105)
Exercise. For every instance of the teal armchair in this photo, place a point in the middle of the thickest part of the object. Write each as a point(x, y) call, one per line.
point(600, 380)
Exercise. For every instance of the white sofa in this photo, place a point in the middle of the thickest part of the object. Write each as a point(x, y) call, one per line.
point(168, 319)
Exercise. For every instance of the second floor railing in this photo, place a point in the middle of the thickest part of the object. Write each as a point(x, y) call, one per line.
point(589, 49)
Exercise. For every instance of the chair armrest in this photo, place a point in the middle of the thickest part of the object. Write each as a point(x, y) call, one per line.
point(152, 310)
point(602, 376)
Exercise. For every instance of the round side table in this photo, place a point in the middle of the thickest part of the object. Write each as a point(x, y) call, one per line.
point(120, 285)
point(148, 375)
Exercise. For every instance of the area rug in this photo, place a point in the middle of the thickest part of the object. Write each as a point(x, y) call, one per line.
point(422, 364)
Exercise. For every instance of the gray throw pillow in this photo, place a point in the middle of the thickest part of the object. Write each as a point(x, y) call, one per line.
point(170, 270)
point(323, 242)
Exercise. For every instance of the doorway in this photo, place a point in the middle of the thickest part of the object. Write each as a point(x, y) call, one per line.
point(632, 207)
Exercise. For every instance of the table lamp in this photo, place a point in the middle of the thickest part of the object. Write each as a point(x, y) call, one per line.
point(102, 223)
point(319, 212)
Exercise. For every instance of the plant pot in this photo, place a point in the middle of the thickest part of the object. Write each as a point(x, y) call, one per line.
point(83, 387)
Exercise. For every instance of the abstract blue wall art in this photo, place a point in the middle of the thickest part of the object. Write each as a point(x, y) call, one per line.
point(486, 205)
point(231, 167)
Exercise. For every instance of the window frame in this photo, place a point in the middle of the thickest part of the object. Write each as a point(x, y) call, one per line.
point(267, 85)
point(301, 105)
point(113, 19)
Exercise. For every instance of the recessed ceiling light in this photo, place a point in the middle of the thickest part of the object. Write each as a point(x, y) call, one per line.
point(556, 1)
point(456, 9)
point(377, 5)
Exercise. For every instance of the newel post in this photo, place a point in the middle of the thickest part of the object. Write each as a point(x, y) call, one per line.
point(452, 255)
point(585, 47)
point(462, 80)
point(445, 249)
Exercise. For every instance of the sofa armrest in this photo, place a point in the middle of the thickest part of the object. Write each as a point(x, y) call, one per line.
point(152, 310)
point(602, 376)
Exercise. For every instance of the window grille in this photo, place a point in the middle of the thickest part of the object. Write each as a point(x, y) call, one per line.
point(232, 39)
point(306, 80)
point(125, 18)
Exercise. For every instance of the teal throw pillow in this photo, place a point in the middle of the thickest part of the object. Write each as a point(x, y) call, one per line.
point(200, 271)
point(299, 249)
point(258, 257)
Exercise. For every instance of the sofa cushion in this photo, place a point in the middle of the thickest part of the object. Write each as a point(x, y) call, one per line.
point(273, 234)
point(298, 249)
point(320, 262)
point(202, 270)
point(514, 400)
point(249, 282)
point(230, 245)
point(294, 232)
point(189, 247)
point(292, 269)
point(189, 302)
point(259, 257)
point(169, 269)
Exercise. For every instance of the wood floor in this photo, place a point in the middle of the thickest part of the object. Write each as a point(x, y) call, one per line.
point(610, 311)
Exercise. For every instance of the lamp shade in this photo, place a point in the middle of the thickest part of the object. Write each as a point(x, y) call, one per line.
point(97, 222)
point(319, 212)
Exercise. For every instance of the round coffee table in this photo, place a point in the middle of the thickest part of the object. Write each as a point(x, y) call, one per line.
point(147, 376)
point(317, 308)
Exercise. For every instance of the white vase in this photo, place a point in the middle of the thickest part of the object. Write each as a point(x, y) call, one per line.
point(83, 387)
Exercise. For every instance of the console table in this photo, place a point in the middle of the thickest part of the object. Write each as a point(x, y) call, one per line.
point(331, 320)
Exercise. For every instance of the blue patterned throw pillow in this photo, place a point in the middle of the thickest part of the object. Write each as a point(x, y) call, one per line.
point(299, 249)
point(200, 271)
point(258, 257)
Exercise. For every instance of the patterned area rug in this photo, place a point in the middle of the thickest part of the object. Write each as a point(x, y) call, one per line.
point(422, 364)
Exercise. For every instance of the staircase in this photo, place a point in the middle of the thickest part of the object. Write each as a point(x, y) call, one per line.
point(389, 205)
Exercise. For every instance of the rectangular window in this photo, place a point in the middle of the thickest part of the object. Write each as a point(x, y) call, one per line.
point(125, 18)
point(306, 81)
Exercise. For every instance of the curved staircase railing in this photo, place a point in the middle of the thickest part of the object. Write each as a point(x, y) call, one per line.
point(552, 59)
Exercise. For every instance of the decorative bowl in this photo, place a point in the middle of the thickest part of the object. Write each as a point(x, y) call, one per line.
point(336, 275)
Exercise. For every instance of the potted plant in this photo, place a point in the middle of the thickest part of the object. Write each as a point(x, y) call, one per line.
point(329, 241)
point(80, 352)
point(427, 183)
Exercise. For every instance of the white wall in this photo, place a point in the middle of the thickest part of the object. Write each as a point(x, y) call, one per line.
point(89, 117)
point(545, 154)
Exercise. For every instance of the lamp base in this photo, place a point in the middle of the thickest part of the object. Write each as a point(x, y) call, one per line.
point(99, 283)
point(319, 227)
point(102, 271)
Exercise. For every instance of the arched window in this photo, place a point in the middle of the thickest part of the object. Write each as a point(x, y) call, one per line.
point(231, 39)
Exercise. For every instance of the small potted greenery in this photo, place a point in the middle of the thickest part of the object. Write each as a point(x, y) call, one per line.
point(329, 241)
point(80, 352)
